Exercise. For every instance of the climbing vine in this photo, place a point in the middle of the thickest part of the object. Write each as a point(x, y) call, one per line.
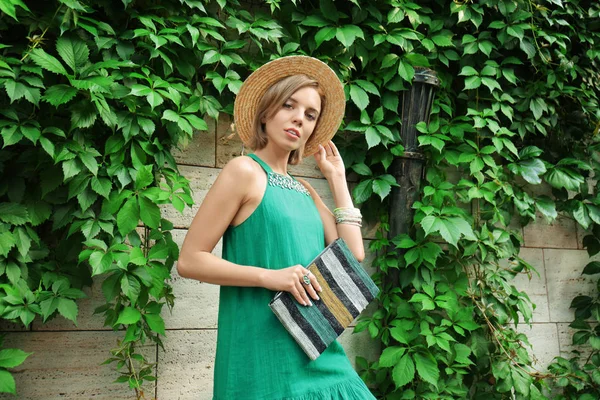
point(96, 94)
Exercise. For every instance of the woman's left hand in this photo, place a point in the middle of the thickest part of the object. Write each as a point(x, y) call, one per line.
point(329, 161)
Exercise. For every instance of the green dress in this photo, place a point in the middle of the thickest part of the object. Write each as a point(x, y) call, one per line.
point(256, 357)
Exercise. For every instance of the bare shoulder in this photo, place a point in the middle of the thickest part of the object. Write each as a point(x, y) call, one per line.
point(241, 169)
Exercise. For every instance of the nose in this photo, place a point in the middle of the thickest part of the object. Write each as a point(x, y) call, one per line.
point(297, 117)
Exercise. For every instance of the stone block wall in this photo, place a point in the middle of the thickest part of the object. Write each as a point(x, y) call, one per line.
point(66, 363)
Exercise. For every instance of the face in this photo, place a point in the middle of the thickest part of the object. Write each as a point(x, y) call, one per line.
point(295, 121)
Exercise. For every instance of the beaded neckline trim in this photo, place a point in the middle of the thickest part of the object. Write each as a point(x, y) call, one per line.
point(286, 182)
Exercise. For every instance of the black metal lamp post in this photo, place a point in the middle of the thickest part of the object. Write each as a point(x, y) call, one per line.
point(408, 169)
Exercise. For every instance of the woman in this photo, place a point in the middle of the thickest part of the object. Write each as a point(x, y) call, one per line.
point(272, 225)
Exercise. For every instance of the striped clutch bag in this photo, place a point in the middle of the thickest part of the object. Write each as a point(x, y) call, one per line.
point(347, 290)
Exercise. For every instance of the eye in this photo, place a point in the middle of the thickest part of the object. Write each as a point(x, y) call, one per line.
point(311, 117)
point(287, 105)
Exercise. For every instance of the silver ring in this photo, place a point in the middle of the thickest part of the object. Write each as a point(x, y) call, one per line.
point(306, 279)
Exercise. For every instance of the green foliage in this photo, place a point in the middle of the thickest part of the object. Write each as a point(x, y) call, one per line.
point(579, 377)
point(98, 93)
point(9, 358)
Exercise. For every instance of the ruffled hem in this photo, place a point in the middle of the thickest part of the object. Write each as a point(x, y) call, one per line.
point(347, 390)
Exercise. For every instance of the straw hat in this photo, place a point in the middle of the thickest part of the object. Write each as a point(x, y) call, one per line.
point(256, 85)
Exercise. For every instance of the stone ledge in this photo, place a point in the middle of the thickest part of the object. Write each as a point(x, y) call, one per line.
point(67, 365)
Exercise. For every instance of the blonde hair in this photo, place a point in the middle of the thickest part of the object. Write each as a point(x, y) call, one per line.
point(271, 103)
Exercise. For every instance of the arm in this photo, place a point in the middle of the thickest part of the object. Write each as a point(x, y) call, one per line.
point(222, 203)
point(230, 192)
point(332, 167)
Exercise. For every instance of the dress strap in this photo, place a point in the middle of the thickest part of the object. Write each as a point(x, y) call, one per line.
point(263, 164)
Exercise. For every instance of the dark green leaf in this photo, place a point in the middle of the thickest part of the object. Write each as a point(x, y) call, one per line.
point(48, 62)
point(404, 371)
point(149, 212)
point(427, 368)
point(156, 323)
point(13, 213)
point(7, 382)
point(68, 309)
point(128, 216)
point(129, 316)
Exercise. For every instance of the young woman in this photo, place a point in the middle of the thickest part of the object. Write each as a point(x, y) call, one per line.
point(272, 226)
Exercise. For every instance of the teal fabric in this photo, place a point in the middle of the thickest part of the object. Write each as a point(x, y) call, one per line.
point(257, 359)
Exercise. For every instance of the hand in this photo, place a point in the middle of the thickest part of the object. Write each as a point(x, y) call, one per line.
point(329, 161)
point(291, 280)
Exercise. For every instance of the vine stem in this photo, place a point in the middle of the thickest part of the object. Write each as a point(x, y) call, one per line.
point(39, 40)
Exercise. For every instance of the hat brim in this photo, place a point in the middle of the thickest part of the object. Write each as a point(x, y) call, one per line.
point(256, 85)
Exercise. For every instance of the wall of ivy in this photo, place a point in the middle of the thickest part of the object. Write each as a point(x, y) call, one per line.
point(96, 94)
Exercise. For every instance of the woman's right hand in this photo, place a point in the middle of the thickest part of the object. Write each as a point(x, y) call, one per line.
point(291, 280)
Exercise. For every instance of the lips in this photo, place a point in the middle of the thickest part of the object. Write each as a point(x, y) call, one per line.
point(293, 131)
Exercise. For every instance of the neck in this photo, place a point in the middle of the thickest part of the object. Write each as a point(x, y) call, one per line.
point(277, 159)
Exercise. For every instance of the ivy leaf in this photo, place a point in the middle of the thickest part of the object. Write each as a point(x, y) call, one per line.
point(472, 82)
point(347, 34)
point(363, 191)
point(11, 135)
point(101, 186)
point(404, 371)
point(149, 212)
point(48, 62)
point(368, 86)
point(427, 368)
point(10, 358)
point(372, 136)
point(144, 177)
point(390, 356)
point(362, 169)
point(7, 382)
point(359, 96)
point(90, 162)
point(100, 262)
point(73, 51)
point(468, 71)
point(13, 213)
point(68, 309)
point(15, 90)
point(381, 188)
point(443, 40)
point(325, 34)
point(592, 268)
point(547, 207)
point(22, 240)
point(564, 178)
point(531, 170)
point(406, 71)
point(128, 216)
point(155, 322)
point(594, 212)
point(581, 215)
point(128, 316)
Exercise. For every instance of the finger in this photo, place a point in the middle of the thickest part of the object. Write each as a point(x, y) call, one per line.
point(312, 286)
point(305, 300)
point(334, 148)
point(328, 149)
point(315, 283)
point(297, 296)
point(320, 154)
point(310, 289)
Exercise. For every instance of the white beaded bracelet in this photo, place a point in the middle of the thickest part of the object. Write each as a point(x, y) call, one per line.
point(348, 215)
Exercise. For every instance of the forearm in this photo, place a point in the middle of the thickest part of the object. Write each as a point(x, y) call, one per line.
point(350, 233)
point(206, 267)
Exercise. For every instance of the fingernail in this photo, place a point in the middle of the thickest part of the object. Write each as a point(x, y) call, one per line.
point(318, 298)
point(310, 303)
